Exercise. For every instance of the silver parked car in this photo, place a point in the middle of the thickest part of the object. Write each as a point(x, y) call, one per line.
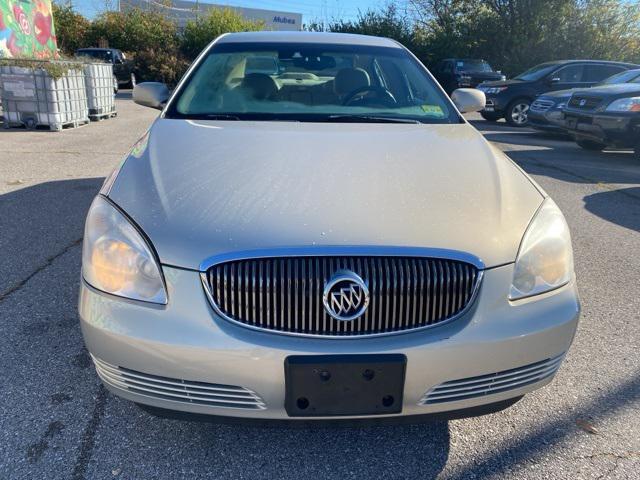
point(327, 239)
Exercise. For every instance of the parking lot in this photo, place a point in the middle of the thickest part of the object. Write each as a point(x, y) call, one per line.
point(58, 422)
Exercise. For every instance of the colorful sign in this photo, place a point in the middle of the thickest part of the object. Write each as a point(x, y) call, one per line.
point(26, 29)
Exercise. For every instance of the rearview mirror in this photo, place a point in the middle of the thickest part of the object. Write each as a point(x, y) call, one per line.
point(468, 100)
point(151, 94)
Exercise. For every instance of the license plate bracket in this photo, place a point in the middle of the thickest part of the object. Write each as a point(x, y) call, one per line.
point(338, 385)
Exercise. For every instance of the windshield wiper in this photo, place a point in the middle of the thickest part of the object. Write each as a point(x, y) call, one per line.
point(212, 116)
point(367, 119)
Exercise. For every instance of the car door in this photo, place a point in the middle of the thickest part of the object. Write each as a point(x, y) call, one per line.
point(596, 73)
point(121, 67)
point(566, 77)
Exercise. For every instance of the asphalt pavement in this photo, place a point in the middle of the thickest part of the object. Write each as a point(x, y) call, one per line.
point(57, 422)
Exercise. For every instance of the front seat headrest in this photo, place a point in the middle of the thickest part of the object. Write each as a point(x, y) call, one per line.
point(260, 86)
point(349, 79)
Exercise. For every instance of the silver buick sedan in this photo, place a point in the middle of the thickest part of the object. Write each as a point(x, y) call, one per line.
point(310, 230)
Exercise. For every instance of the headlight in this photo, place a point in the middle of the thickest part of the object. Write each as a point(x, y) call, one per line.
point(116, 258)
point(561, 105)
point(503, 78)
point(624, 105)
point(495, 89)
point(545, 259)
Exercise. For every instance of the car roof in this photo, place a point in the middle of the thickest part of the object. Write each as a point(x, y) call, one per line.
point(608, 62)
point(328, 38)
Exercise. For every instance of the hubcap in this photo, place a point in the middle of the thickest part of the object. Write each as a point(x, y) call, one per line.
point(519, 113)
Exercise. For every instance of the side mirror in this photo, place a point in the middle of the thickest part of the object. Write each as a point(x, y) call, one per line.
point(554, 80)
point(151, 94)
point(468, 100)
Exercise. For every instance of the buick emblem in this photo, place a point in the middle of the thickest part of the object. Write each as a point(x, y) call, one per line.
point(583, 102)
point(345, 296)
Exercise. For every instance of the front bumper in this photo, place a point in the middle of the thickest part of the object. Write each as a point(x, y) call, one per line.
point(495, 104)
point(551, 120)
point(185, 340)
point(620, 130)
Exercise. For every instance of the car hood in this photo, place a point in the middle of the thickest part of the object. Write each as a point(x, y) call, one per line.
point(505, 83)
point(630, 89)
point(205, 188)
point(561, 94)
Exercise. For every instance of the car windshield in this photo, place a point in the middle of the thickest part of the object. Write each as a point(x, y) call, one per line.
point(473, 66)
point(629, 76)
point(311, 82)
point(537, 72)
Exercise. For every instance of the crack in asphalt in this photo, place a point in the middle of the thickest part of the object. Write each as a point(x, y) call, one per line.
point(47, 263)
point(608, 473)
point(594, 181)
point(613, 455)
point(89, 435)
point(623, 455)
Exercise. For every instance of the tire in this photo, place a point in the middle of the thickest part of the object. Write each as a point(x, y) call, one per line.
point(490, 116)
point(591, 145)
point(517, 112)
point(132, 81)
point(115, 85)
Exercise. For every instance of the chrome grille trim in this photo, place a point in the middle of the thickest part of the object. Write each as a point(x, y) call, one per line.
point(542, 105)
point(590, 102)
point(493, 383)
point(183, 391)
point(284, 289)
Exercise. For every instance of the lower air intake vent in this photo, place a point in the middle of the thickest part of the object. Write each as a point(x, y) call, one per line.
point(473, 387)
point(183, 391)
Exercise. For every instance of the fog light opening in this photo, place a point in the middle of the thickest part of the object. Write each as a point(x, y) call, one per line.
point(368, 374)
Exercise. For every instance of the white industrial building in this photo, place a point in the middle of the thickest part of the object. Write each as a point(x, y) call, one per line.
point(181, 11)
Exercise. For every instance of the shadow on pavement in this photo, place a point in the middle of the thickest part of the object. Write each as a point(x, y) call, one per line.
point(612, 206)
point(39, 223)
point(407, 451)
point(558, 157)
point(124, 95)
point(551, 434)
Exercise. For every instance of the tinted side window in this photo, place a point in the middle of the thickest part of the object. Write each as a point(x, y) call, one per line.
point(597, 73)
point(569, 74)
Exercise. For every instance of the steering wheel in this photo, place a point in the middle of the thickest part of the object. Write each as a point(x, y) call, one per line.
point(382, 93)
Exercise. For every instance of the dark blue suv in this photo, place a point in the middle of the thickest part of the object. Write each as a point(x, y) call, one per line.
point(511, 99)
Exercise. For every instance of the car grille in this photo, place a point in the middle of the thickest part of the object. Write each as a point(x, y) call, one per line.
point(493, 383)
point(542, 105)
point(285, 294)
point(183, 391)
point(583, 102)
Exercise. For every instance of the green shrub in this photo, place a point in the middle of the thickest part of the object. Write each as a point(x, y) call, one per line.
point(150, 40)
point(71, 28)
point(198, 33)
